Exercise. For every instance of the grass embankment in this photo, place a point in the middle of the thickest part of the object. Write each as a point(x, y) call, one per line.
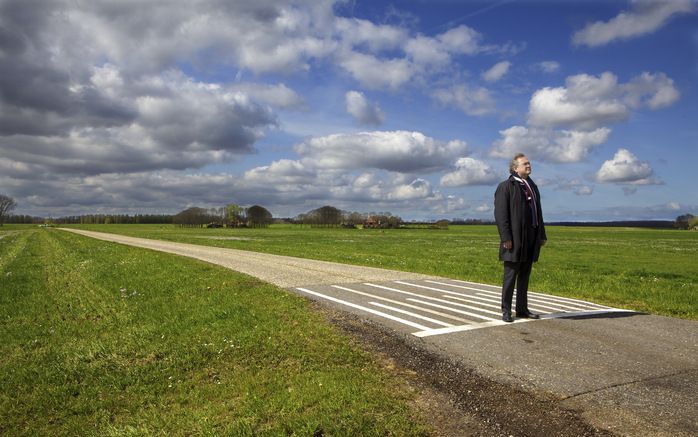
point(104, 339)
point(645, 270)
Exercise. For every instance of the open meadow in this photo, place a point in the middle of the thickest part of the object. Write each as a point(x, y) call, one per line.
point(99, 338)
point(104, 339)
point(646, 270)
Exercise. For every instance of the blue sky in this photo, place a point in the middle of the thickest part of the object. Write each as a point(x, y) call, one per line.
point(412, 107)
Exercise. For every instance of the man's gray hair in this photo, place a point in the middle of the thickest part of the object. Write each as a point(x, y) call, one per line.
point(515, 161)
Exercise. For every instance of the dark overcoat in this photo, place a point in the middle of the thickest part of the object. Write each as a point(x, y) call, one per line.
point(513, 218)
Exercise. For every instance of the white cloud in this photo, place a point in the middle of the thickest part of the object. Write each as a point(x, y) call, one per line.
point(652, 90)
point(281, 172)
point(548, 66)
point(427, 51)
point(645, 17)
point(174, 123)
point(548, 145)
point(461, 39)
point(417, 189)
point(626, 168)
point(363, 111)
point(375, 73)
point(358, 33)
point(397, 151)
point(470, 171)
point(485, 207)
point(278, 95)
point(471, 101)
point(587, 102)
point(497, 71)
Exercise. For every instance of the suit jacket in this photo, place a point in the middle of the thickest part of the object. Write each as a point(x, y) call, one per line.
point(514, 222)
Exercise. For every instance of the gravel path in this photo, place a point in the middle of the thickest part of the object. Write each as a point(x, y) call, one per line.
point(284, 271)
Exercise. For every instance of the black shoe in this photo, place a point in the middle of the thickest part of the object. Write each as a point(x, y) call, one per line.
point(527, 315)
point(507, 317)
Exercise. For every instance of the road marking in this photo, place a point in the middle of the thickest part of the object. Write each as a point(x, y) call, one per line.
point(501, 323)
point(474, 315)
point(432, 298)
point(417, 316)
point(460, 299)
point(479, 316)
point(363, 308)
point(427, 310)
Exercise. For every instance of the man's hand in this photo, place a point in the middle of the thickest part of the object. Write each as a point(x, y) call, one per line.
point(508, 245)
point(542, 242)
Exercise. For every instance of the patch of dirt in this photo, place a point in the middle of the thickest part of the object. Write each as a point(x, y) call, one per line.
point(456, 400)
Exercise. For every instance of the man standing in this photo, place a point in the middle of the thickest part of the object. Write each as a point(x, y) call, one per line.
point(519, 218)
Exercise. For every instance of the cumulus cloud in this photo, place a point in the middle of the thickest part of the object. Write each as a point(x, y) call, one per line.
point(366, 34)
point(587, 101)
point(470, 171)
point(397, 151)
point(475, 102)
point(174, 123)
point(547, 144)
point(497, 71)
point(644, 18)
point(566, 123)
point(363, 111)
point(374, 72)
point(626, 168)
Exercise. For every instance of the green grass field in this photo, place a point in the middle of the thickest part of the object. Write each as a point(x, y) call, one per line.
point(103, 339)
point(645, 270)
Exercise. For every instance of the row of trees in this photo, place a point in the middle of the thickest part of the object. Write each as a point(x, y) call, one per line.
point(329, 216)
point(231, 215)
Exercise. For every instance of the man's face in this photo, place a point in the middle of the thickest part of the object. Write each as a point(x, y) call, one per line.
point(523, 167)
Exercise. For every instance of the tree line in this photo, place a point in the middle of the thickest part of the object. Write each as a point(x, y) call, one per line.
point(329, 216)
point(231, 216)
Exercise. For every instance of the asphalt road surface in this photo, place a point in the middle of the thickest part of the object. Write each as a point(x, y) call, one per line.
point(628, 373)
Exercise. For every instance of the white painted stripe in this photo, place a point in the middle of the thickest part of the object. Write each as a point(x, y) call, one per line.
point(502, 323)
point(568, 300)
point(482, 325)
point(543, 295)
point(363, 308)
point(426, 310)
point(474, 283)
point(580, 305)
point(432, 298)
point(411, 314)
point(457, 304)
point(479, 316)
point(454, 285)
point(536, 305)
point(498, 295)
point(499, 307)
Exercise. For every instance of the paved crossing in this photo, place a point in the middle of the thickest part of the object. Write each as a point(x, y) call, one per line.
point(441, 306)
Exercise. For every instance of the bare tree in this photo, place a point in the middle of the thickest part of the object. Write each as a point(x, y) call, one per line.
point(7, 204)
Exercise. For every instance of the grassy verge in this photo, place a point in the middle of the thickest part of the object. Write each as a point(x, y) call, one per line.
point(103, 339)
point(642, 269)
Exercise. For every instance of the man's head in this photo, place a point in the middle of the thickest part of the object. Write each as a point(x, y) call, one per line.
point(520, 165)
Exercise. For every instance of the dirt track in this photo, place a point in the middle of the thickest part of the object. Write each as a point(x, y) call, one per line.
point(284, 271)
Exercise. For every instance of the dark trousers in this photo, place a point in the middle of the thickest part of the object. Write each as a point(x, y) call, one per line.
point(516, 273)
